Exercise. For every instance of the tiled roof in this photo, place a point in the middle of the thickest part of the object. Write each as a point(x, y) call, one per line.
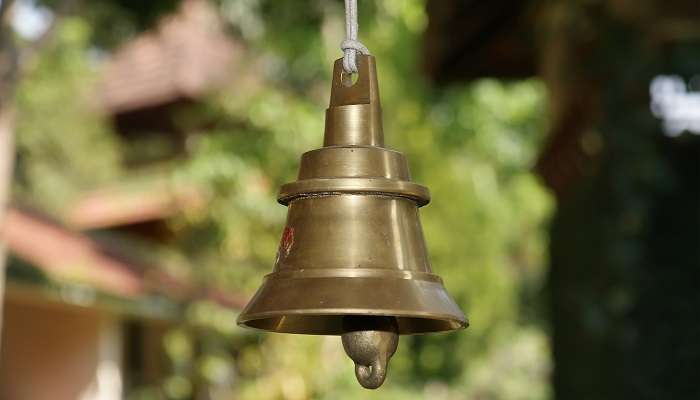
point(69, 256)
point(186, 55)
point(120, 206)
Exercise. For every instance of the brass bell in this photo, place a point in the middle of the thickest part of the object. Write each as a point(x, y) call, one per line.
point(352, 260)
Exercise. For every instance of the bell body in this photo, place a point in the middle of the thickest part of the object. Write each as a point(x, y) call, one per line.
point(353, 244)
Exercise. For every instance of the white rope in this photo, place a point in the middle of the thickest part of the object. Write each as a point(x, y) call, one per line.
point(351, 45)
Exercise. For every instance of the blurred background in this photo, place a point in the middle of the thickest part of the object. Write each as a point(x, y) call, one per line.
point(142, 144)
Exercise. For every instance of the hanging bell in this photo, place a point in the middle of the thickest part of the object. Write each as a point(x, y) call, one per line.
point(352, 260)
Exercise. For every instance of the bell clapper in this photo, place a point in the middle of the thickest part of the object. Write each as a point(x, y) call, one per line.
point(370, 342)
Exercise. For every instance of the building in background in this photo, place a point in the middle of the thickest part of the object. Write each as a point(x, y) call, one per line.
point(84, 314)
point(78, 316)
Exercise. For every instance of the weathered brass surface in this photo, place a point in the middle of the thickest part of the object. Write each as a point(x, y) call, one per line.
point(353, 247)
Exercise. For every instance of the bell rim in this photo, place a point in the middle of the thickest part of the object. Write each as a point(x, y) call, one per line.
point(311, 273)
point(455, 323)
point(317, 305)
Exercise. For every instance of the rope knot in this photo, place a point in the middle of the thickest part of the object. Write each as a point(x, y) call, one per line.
point(351, 47)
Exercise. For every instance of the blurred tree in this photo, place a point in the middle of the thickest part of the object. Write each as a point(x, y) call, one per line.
point(624, 241)
point(8, 72)
point(52, 166)
point(16, 56)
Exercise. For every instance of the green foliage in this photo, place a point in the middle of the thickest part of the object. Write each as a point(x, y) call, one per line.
point(115, 21)
point(63, 145)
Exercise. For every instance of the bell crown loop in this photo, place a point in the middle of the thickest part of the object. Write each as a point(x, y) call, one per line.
point(354, 115)
point(365, 90)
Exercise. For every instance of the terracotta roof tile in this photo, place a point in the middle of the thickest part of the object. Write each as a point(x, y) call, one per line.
point(185, 56)
point(71, 256)
point(121, 206)
point(68, 255)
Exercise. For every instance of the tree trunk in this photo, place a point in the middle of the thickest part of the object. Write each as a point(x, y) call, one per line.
point(8, 83)
point(6, 161)
point(625, 239)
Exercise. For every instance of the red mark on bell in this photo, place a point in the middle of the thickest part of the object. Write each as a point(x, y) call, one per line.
point(286, 243)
